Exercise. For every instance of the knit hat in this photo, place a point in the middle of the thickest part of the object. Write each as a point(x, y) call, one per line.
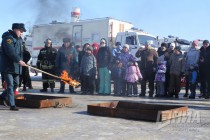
point(126, 46)
point(117, 43)
point(163, 44)
point(149, 42)
point(103, 40)
point(172, 44)
point(205, 42)
point(195, 42)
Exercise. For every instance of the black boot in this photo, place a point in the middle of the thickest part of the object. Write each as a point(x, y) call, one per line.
point(71, 89)
point(14, 108)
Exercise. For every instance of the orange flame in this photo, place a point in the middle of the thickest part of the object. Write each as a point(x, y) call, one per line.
point(68, 80)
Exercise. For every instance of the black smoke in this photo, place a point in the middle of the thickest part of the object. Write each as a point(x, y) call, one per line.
point(49, 10)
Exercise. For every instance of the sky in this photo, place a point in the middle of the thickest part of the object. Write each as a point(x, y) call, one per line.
point(186, 19)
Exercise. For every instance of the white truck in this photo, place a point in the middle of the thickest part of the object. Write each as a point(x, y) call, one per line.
point(135, 38)
point(80, 32)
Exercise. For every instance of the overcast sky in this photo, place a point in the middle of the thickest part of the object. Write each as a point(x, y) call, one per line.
point(188, 19)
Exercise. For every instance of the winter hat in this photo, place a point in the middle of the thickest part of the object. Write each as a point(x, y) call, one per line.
point(205, 42)
point(95, 45)
point(149, 42)
point(163, 45)
point(126, 46)
point(66, 39)
point(117, 43)
point(95, 48)
point(19, 26)
point(172, 44)
point(195, 42)
point(103, 40)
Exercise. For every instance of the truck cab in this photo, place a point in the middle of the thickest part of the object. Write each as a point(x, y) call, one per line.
point(135, 39)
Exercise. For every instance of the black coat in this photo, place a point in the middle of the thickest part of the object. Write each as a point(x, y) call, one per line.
point(204, 54)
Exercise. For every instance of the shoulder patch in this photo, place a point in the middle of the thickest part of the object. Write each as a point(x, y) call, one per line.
point(9, 41)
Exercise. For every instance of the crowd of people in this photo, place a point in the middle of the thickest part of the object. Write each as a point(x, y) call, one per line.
point(96, 65)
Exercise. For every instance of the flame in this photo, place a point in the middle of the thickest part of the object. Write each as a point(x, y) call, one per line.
point(68, 80)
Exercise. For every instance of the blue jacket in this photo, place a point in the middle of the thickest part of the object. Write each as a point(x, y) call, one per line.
point(66, 59)
point(11, 53)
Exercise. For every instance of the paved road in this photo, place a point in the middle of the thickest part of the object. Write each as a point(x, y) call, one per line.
point(74, 122)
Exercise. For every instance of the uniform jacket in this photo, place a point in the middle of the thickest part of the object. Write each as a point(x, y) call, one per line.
point(11, 53)
point(46, 59)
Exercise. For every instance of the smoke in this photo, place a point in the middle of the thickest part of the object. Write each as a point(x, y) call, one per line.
point(49, 10)
point(62, 33)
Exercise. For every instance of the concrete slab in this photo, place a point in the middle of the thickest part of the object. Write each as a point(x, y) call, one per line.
point(74, 122)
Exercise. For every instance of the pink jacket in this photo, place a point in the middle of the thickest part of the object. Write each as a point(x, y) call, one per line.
point(133, 74)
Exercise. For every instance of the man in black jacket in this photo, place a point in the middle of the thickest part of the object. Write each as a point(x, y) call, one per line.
point(204, 70)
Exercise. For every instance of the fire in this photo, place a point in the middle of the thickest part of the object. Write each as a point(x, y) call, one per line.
point(68, 80)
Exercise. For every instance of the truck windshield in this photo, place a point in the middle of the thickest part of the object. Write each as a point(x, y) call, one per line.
point(144, 38)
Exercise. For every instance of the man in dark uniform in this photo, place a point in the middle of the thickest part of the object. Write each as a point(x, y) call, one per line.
point(46, 62)
point(11, 61)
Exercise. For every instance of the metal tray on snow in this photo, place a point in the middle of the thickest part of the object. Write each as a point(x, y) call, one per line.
point(42, 101)
point(137, 111)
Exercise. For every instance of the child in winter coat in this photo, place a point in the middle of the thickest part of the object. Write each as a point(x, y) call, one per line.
point(117, 76)
point(160, 78)
point(193, 74)
point(88, 71)
point(133, 75)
